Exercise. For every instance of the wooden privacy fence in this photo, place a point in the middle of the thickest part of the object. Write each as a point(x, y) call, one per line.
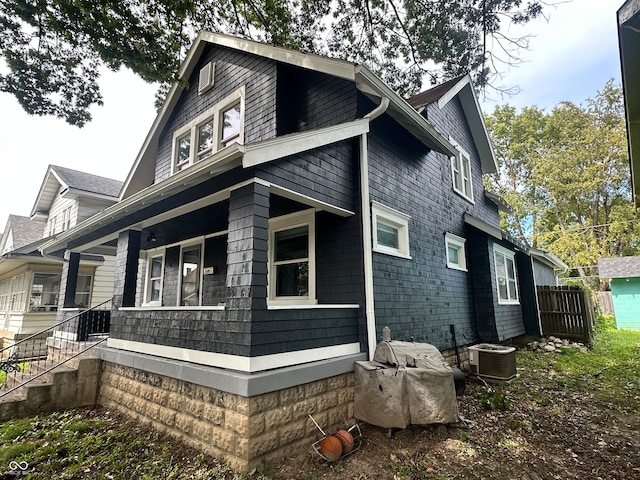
point(605, 303)
point(566, 312)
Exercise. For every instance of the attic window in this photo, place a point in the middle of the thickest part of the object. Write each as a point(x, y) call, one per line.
point(461, 173)
point(210, 132)
point(205, 79)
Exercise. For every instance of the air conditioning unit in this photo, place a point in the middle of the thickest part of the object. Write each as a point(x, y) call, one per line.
point(496, 362)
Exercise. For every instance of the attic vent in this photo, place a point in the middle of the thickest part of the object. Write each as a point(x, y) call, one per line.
point(205, 81)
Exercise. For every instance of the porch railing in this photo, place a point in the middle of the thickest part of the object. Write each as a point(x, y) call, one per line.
point(32, 357)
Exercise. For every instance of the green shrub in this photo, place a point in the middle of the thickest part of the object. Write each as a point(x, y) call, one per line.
point(605, 323)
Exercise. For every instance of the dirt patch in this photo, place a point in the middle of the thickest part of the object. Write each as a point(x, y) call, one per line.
point(552, 427)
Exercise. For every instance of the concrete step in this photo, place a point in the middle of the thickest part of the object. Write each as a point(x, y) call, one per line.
point(68, 386)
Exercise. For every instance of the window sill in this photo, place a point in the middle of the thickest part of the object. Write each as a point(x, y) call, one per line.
point(461, 194)
point(304, 306)
point(392, 253)
point(506, 302)
point(456, 267)
point(157, 307)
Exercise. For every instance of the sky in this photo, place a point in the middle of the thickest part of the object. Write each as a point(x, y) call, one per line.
point(570, 57)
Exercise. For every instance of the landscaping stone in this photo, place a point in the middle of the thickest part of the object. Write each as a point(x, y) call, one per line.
point(553, 345)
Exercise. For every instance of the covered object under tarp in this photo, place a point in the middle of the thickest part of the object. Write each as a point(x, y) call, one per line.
point(405, 383)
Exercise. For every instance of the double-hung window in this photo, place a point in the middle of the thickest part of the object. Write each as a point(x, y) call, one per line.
point(215, 129)
point(390, 231)
point(506, 276)
point(461, 173)
point(456, 257)
point(292, 258)
point(155, 269)
point(191, 275)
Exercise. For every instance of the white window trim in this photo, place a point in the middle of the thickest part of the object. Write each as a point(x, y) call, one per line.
point(287, 222)
point(393, 218)
point(459, 243)
point(183, 245)
point(498, 250)
point(214, 113)
point(151, 254)
point(457, 163)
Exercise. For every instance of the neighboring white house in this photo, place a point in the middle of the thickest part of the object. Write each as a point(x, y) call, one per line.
point(29, 281)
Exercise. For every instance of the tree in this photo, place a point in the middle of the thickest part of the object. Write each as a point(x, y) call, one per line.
point(54, 48)
point(570, 173)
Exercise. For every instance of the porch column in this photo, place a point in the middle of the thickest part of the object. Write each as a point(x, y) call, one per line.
point(247, 259)
point(69, 280)
point(124, 285)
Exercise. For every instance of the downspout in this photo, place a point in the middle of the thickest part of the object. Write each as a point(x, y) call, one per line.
point(366, 230)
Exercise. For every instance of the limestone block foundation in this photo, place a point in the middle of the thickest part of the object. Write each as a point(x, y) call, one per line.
point(243, 431)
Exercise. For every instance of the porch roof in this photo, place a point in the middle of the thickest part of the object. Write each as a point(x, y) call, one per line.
point(114, 219)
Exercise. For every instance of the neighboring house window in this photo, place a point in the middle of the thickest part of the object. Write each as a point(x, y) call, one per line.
point(390, 231)
point(461, 172)
point(155, 268)
point(456, 257)
point(17, 298)
point(44, 292)
point(83, 291)
point(53, 224)
point(5, 289)
point(292, 258)
point(215, 129)
point(506, 279)
point(66, 219)
point(191, 275)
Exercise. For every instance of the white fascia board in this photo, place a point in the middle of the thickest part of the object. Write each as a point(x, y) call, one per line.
point(279, 147)
point(49, 177)
point(453, 91)
point(405, 114)
point(331, 66)
point(549, 258)
point(236, 362)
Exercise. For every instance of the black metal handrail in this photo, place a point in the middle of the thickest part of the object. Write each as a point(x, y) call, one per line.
point(36, 355)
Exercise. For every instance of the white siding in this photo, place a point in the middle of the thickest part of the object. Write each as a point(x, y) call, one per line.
point(102, 289)
point(142, 274)
point(8, 246)
point(59, 205)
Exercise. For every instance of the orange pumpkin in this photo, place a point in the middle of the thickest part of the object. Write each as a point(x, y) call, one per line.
point(331, 448)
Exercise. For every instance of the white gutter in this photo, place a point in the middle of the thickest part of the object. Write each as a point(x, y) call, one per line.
point(367, 246)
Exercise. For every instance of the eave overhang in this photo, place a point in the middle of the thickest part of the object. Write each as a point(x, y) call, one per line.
point(629, 44)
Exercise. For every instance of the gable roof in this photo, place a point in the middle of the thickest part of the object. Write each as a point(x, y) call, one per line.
point(619, 267)
point(548, 258)
point(462, 88)
point(629, 43)
point(142, 172)
point(22, 231)
point(73, 182)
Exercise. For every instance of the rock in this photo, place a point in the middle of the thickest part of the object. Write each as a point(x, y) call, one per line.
point(550, 348)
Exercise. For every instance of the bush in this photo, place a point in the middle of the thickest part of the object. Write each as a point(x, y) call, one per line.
point(605, 323)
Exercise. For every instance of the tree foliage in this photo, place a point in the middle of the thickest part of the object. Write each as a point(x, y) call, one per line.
point(566, 174)
point(54, 48)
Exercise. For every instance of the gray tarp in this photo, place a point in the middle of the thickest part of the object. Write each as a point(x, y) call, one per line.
point(406, 383)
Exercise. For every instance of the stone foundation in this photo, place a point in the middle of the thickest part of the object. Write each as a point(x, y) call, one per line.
point(450, 357)
point(243, 431)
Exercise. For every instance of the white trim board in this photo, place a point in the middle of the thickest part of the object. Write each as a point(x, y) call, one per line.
point(235, 362)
